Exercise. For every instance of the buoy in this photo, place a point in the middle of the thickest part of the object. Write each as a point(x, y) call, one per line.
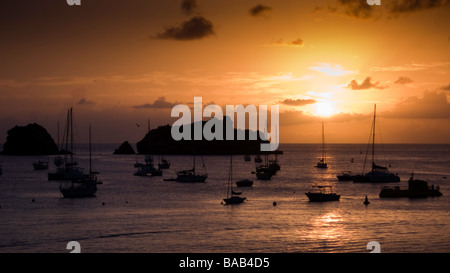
point(32, 200)
point(103, 203)
point(366, 202)
point(274, 204)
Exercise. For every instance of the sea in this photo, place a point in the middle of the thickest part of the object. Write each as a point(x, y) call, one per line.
point(133, 214)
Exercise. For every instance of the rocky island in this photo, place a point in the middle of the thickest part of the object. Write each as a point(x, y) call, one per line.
point(159, 141)
point(32, 139)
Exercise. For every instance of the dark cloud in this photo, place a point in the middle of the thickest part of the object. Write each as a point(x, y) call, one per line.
point(403, 80)
point(188, 7)
point(196, 28)
point(360, 9)
point(259, 10)
point(295, 43)
point(298, 102)
point(432, 105)
point(159, 103)
point(446, 87)
point(405, 6)
point(84, 101)
point(366, 84)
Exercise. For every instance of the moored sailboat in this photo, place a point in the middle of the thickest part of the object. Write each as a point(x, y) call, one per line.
point(322, 163)
point(232, 196)
point(378, 174)
point(81, 187)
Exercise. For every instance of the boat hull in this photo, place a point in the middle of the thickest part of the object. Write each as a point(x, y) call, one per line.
point(322, 197)
point(192, 178)
point(244, 183)
point(82, 190)
point(234, 200)
point(376, 177)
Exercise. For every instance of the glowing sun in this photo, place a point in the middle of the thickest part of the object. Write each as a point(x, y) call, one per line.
point(324, 109)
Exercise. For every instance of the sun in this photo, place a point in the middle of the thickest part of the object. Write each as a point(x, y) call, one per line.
point(324, 109)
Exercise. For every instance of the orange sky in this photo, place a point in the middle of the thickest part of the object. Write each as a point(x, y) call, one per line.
point(119, 63)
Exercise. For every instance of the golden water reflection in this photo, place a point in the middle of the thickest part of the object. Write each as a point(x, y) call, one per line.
point(328, 230)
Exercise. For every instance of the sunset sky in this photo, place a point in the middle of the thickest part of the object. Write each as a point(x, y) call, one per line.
point(119, 63)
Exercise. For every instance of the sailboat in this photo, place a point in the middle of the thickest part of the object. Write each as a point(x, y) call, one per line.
point(40, 165)
point(164, 163)
point(378, 174)
point(322, 164)
point(58, 160)
point(81, 187)
point(232, 196)
point(68, 170)
point(191, 176)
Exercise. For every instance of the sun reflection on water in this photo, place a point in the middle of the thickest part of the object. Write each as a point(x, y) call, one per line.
point(328, 231)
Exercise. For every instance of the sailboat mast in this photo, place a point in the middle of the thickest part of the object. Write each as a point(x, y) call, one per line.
point(71, 136)
point(323, 143)
point(90, 152)
point(373, 135)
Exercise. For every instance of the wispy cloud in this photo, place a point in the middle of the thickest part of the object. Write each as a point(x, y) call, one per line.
point(366, 84)
point(259, 10)
point(196, 28)
point(280, 42)
point(85, 101)
point(160, 103)
point(331, 70)
point(359, 9)
point(298, 102)
point(403, 80)
point(411, 67)
point(188, 7)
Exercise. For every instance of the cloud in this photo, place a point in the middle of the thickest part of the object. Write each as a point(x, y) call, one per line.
point(411, 67)
point(366, 84)
point(259, 10)
point(188, 7)
point(331, 70)
point(360, 9)
point(446, 87)
point(298, 102)
point(403, 80)
point(295, 43)
point(159, 103)
point(432, 105)
point(405, 6)
point(196, 28)
point(84, 101)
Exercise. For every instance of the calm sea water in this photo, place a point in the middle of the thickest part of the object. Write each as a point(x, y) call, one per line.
point(147, 214)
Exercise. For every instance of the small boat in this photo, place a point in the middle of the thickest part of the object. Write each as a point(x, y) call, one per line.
point(366, 201)
point(148, 170)
point(345, 176)
point(244, 183)
point(80, 187)
point(164, 164)
point(322, 193)
point(191, 176)
point(40, 165)
point(322, 164)
point(232, 196)
point(416, 188)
